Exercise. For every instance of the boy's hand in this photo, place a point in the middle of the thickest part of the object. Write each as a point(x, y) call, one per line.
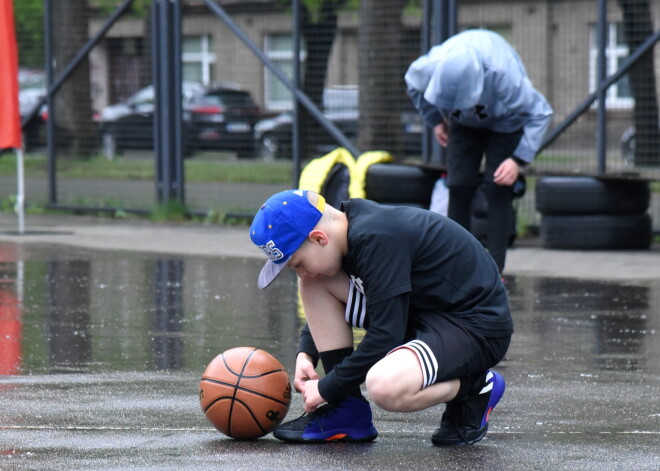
point(507, 173)
point(304, 371)
point(311, 395)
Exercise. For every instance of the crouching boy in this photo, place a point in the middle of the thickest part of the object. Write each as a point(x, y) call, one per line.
point(428, 295)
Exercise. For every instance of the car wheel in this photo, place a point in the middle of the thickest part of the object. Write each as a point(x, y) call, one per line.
point(590, 195)
point(628, 143)
point(596, 232)
point(109, 146)
point(269, 148)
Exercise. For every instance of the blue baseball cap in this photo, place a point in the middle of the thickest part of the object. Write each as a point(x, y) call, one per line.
point(280, 227)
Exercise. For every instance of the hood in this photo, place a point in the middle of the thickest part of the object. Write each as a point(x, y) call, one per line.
point(450, 79)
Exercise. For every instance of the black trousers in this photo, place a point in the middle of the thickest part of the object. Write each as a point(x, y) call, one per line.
point(465, 151)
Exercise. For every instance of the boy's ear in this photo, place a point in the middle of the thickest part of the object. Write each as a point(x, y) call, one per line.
point(317, 236)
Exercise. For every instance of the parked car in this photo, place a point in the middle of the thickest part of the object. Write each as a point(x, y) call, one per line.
point(223, 117)
point(340, 106)
point(130, 125)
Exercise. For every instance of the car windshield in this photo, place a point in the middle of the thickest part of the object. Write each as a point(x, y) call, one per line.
point(146, 95)
point(228, 99)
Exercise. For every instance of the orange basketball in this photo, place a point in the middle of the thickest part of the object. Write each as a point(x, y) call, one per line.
point(245, 392)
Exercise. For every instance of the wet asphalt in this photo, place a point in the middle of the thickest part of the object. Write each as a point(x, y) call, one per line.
point(106, 327)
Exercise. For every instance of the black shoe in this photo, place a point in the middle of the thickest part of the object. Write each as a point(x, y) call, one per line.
point(466, 422)
point(451, 414)
point(350, 421)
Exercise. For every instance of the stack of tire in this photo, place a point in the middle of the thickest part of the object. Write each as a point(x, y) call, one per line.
point(593, 213)
point(411, 185)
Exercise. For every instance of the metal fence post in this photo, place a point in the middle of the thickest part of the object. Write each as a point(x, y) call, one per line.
point(50, 124)
point(296, 107)
point(444, 25)
point(168, 135)
point(601, 73)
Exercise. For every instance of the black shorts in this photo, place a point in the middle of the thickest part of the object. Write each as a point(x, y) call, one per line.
point(466, 148)
point(445, 349)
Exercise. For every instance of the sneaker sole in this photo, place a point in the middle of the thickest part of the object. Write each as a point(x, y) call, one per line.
point(458, 440)
point(342, 435)
point(499, 385)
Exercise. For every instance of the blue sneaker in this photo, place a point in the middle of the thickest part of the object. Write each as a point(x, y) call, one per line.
point(350, 421)
point(465, 421)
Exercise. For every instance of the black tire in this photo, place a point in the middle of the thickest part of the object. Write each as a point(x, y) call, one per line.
point(591, 196)
point(596, 232)
point(394, 183)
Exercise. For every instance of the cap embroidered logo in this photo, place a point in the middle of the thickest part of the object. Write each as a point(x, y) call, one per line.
point(271, 251)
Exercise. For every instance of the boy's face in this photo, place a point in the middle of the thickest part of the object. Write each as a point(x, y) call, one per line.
point(316, 257)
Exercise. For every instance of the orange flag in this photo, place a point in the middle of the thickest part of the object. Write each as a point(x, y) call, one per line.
point(10, 120)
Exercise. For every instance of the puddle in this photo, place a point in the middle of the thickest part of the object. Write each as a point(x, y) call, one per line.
point(64, 310)
point(581, 327)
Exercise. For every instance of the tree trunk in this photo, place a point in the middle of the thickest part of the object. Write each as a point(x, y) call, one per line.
point(637, 27)
point(319, 30)
point(381, 68)
point(73, 105)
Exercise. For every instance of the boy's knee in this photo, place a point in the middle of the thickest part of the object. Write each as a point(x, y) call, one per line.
point(377, 389)
point(383, 391)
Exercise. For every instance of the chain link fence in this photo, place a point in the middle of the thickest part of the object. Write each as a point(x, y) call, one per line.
point(90, 145)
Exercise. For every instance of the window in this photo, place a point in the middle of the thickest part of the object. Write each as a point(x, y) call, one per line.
point(616, 51)
point(198, 59)
point(279, 49)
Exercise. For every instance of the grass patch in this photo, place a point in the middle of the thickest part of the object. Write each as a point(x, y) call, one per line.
point(238, 171)
point(169, 211)
point(203, 169)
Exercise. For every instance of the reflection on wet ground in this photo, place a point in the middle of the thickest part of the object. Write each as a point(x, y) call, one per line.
point(83, 311)
point(86, 311)
point(597, 326)
point(101, 353)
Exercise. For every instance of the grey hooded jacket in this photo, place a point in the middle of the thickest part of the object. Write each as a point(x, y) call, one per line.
point(477, 79)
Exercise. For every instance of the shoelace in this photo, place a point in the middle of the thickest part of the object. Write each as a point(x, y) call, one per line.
point(321, 412)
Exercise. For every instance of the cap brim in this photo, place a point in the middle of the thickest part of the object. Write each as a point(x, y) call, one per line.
point(269, 272)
